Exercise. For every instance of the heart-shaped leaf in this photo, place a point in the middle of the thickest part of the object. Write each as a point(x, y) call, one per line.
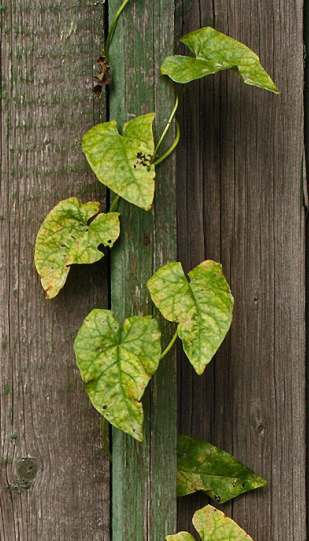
point(212, 525)
point(202, 466)
point(215, 52)
point(67, 237)
point(116, 364)
point(203, 307)
point(124, 162)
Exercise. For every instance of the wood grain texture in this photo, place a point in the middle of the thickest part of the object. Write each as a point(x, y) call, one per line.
point(240, 200)
point(49, 432)
point(144, 487)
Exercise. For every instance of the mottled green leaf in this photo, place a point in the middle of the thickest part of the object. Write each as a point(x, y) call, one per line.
point(215, 52)
point(67, 236)
point(123, 162)
point(116, 364)
point(213, 525)
point(202, 466)
point(202, 307)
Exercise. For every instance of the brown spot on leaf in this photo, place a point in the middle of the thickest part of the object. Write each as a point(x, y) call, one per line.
point(143, 160)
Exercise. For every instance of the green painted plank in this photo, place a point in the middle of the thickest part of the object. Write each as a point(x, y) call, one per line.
point(144, 495)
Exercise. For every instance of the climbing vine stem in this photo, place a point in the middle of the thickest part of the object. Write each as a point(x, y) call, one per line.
point(113, 27)
point(171, 149)
point(73, 233)
point(167, 127)
point(170, 345)
point(115, 203)
point(201, 304)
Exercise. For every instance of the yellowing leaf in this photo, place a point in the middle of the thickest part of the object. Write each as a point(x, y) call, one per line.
point(116, 364)
point(212, 525)
point(67, 237)
point(215, 52)
point(202, 307)
point(123, 163)
point(202, 466)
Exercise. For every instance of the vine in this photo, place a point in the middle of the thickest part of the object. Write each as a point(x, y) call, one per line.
point(117, 360)
point(113, 26)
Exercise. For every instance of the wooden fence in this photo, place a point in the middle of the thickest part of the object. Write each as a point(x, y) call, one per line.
point(238, 182)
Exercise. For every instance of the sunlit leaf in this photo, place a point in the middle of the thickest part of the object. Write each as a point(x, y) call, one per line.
point(202, 466)
point(215, 52)
point(212, 525)
point(202, 307)
point(123, 162)
point(116, 363)
point(67, 237)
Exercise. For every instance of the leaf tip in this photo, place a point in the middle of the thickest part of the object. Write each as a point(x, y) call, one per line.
point(260, 482)
point(137, 434)
point(199, 370)
point(50, 292)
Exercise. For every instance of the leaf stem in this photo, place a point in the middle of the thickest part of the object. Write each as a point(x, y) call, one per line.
point(113, 27)
point(169, 346)
point(114, 205)
point(171, 149)
point(167, 127)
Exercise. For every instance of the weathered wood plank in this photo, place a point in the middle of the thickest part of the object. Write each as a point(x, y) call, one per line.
point(47, 54)
point(144, 502)
point(240, 201)
point(306, 191)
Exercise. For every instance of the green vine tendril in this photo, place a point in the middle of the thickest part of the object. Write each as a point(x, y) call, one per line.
point(170, 345)
point(167, 127)
point(113, 27)
point(171, 149)
point(114, 205)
